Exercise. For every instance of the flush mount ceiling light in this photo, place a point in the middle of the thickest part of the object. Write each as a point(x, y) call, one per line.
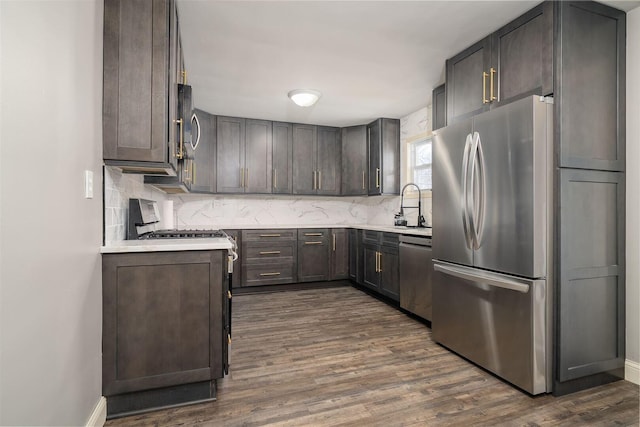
point(304, 97)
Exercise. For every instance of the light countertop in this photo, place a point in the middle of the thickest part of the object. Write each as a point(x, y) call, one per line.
point(386, 228)
point(167, 245)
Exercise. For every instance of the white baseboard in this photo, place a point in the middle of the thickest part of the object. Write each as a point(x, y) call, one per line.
point(99, 415)
point(632, 371)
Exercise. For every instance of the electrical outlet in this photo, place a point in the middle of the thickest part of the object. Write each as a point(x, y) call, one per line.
point(88, 184)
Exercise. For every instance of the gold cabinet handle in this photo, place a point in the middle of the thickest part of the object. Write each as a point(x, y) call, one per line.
point(229, 294)
point(334, 243)
point(491, 95)
point(270, 235)
point(319, 180)
point(269, 274)
point(363, 187)
point(269, 252)
point(312, 243)
point(246, 177)
point(313, 234)
point(379, 262)
point(377, 177)
point(179, 148)
point(184, 77)
point(193, 170)
point(241, 177)
point(229, 338)
point(484, 87)
point(275, 178)
point(314, 180)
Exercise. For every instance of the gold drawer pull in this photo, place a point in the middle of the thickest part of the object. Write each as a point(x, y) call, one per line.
point(312, 243)
point(269, 252)
point(229, 338)
point(313, 234)
point(269, 274)
point(269, 235)
point(229, 294)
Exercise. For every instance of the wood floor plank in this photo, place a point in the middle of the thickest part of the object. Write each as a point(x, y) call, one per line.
point(338, 357)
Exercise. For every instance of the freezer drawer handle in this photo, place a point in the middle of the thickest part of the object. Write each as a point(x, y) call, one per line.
point(474, 275)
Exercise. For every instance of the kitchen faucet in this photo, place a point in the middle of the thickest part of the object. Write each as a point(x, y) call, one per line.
point(399, 217)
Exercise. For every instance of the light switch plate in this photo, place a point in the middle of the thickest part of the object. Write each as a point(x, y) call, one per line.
point(88, 184)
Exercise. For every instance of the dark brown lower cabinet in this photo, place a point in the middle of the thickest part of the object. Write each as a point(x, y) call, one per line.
point(164, 339)
point(381, 263)
point(339, 258)
point(313, 255)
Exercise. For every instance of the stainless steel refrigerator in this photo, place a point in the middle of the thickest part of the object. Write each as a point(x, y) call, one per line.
point(492, 236)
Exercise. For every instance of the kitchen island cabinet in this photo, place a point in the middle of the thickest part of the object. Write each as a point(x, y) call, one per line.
point(164, 329)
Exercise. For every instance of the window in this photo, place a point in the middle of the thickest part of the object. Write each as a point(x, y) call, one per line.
point(419, 167)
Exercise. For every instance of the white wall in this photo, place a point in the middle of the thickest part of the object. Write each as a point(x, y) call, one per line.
point(50, 268)
point(633, 194)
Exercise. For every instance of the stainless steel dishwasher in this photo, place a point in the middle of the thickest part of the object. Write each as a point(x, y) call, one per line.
point(416, 272)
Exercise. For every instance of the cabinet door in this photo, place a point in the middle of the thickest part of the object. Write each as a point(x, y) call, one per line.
point(339, 254)
point(354, 161)
point(439, 107)
point(163, 319)
point(374, 153)
point(258, 151)
point(328, 161)
point(390, 144)
point(389, 273)
point(282, 158)
point(304, 159)
point(203, 170)
point(522, 56)
point(175, 78)
point(230, 155)
point(136, 80)
point(467, 86)
point(370, 277)
point(313, 260)
point(590, 101)
point(353, 255)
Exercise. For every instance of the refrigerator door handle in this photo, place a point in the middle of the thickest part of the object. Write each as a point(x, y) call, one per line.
point(492, 279)
point(466, 220)
point(471, 189)
point(478, 205)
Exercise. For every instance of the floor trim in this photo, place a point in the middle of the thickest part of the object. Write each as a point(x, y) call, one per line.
point(99, 415)
point(632, 371)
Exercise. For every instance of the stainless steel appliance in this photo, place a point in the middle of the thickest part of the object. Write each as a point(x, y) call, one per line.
point(416, 271)
point(492, 231)
point(144, 217)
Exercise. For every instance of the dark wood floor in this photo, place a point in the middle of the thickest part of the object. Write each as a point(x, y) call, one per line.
point(340, 357)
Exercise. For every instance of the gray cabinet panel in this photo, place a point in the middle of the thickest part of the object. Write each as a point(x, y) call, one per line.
point(370, 277)
point(354, 161)
point(282, 158)
point(258, 152)
point(162, 321)
point(590, 297)
point(339, 253)
point(384, 156)
point(230, 154)
point(304, 166)
point(374, 151)
point(591, 86)
point(136, 86)
point(439, 107)
point(523, 55)
point(313, 255)
point(328, 160)
point(389, 273)
point(467, 87)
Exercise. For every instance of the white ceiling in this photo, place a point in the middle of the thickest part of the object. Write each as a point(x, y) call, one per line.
point(369, 59)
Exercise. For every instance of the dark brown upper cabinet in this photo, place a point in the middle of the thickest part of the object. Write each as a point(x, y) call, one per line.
point(316, 160)
point(513, 62)
point(354, 161)
point(244, 150)
point(590, 82)
point(439, 107)
point(141, 42)
point(383, 148)
point(282, 158)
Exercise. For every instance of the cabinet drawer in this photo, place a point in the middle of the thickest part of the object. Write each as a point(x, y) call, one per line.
point(371, 237)
point(313, 234)
point(269, 274)
point(269, 235)
point(390, 239)
point(269, 252)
